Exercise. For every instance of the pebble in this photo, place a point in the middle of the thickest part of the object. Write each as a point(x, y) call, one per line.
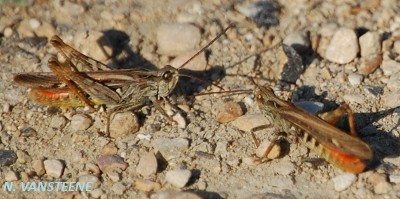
point(230, 112)
point(90, 178)
point(11, 176)
point(284, 168)
point(390, 67)
point(299, 41)
point(396, 46)
point(355, 79)
point(274, 153)
point(90, 45)
point(73, 9)
point(171, 148)
point(391, 99)
point(123, 124)
point(376, 178)
point(23, 157)
point(370, 44)
point(109, 149)
point(178, 178)
point(176, 116)
point(354, 98)
point(6, 107)
point(80, 122)
point(310, 106)
point(147, 185)
point(199, 63)
point(342, 182)
point(394, 179)
point(394, 82)
point(8, 32)
point(93, 168)
point(35, 23)
point(46, 30)
point(250, 121)
point(58, 121)
point(382, 188)
point(7, 158)
point(118, 188)
point(38, 166)
point(174, 39)
point(370, 64)
point(175, 195)
point(54, 168)
point(24, 29)
point(28, 132)
point(343, 47)
point(108, 163)
point(114, 176)
point(147, 165)
point(96, 193)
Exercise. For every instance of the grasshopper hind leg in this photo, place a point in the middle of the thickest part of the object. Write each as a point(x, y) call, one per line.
point(333, 116)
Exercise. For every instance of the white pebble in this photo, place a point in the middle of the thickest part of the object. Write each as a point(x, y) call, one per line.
point(250, 121)
point(370, 44)
point(147, 165)
point(342, 182)
point(80, 122)
point(34, 23)
point(394, 179)
point(11, 176)
point(199, 63)
point(298, 40)
point(390, 67)
point(174, 39)
point(8, 32)
point(178, 178)
point(54, 168)
point(355, 79)
point(343, 47)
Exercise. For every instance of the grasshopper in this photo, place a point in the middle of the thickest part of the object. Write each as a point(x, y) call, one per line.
point(121, 90)
point(337, 147)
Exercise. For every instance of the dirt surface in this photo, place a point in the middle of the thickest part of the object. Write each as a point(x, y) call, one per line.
point(215, 153)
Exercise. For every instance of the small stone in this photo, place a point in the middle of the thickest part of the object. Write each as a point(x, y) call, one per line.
point(147, 185)
point(11, 176)
point(38, 166)
point(174, 39)
point(90, 178)
point(93, 168)
point(390, 67)
point(370, 44)
point(95, 44)
point(123, 124)
point(7, 158)
point(73, 9)
point(199, 63)
point(58, 122)
point(376, 178)
point(370, 64)
point(231, 111)
point(343, 47)
point(391, 99)
point(24, 29)
point(80, 122)
point(108, 163)
point(355, 79)
point(147, 165)
point(178, 178)
point(175, 195)
point(171, 148)
point(274, 153)
point(299, 41)
point(118, 188)
point(394, 179)
point(114, 176)
point(28, 132)
point(109, 149)
point(106, 15)
point(46, 30)
point(54, 168)
point(6, 107)
point(35, 23)
point(354, 98)
point(96, 193)
point(394, 82)
point(310, 106)
point(8, 32)
point(396, 46)
point(176, 116)
point(382, 188)
point(342, 182)
point(249, 122)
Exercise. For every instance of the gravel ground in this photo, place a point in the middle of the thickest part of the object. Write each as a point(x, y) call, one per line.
point(345, 51)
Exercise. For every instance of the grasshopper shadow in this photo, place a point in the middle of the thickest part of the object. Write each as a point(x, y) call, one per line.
point(122, 56)
point(382, 143)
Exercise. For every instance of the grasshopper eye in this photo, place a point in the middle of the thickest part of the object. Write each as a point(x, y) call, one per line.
point(167, 76)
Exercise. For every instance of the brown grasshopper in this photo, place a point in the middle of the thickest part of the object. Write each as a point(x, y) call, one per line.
point(337, 147)
point(122, 90)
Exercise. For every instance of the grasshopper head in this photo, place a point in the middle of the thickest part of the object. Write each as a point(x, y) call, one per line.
point(169, 77)
point(264, 95)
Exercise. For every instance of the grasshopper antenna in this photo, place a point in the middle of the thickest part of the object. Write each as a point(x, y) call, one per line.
point(208, 45)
